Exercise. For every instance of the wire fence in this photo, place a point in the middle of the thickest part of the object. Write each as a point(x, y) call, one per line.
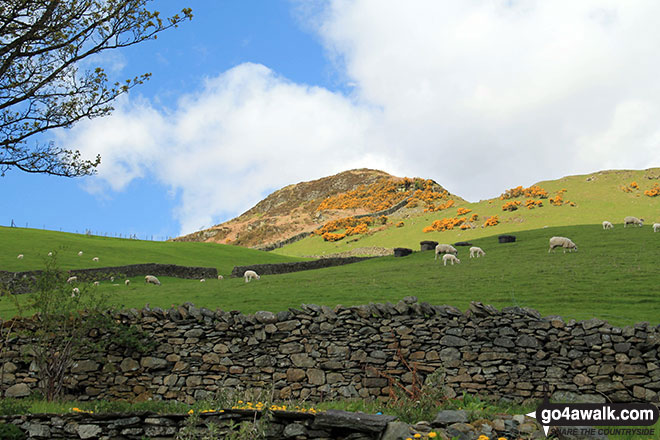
point(90, 232)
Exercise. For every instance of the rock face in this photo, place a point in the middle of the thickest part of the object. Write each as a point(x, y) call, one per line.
point(319, 352)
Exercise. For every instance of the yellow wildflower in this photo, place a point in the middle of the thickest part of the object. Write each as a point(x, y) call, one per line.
point(432, 434)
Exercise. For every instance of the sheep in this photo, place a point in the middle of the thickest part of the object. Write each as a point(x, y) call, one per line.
point(127, 282)
point(71, 279)
point(220, 277)
point(444, 249)
point(633, 221)
point(607, 225)
point(250, 275)
point(75, 292)
point(112, 279)
point(20, 256)
point(563, 242)
point(80, 253)
point(50, 254)
point(95, 259)
point(476, 252)
point(203, 280)
point(96, 283)
point(450, 257)
point(151, 279)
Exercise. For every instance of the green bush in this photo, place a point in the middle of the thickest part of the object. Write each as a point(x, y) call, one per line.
point(9, 431)
point(10, 407)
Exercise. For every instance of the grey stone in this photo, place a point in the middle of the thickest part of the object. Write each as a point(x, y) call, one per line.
point(153, 363)
point(129, 364)
point(397, 431)
point(294, 430)
point(265, 317)
point(18, 390)
point(37, 430)
point(447, 417)
point(84, 366)
point(453, 341)
point(88, 431)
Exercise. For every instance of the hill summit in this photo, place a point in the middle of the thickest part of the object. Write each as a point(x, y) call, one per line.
point(305, 207)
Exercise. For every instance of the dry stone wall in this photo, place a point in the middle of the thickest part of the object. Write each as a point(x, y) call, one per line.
point(295, 266)
point(317, 352)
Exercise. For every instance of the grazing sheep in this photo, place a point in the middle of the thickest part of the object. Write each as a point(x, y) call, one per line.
point(202, 280)
point(96, 283)
point(633, 221)
point(442, 249)
point(75, 292)
point(563, 242)
point(127, 282)
point(71, 279)
point(20, 256)
point(112, 279)
point(450, 257)
point(250, 275)
point(476, 252)
point(656, 227)
point(80, 253)
point(95, 259)
point(151, 279)
point(607, 225)
point(50, 254)
point(220, 277)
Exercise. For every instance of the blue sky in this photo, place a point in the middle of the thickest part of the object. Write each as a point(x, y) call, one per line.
point(251, 96)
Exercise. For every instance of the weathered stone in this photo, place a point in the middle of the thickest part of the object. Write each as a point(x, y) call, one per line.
point(370, 423)
point(294, 430)
point(447, 417)
point(295, 374)
point(316, 376)
point(129, 364)
point(84, 366)
point(88, 431)
point(153, 363)
point(18, 390)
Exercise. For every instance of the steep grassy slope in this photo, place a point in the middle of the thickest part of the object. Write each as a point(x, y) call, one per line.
point(596, 197)
point(613, 276)
point(35, 244)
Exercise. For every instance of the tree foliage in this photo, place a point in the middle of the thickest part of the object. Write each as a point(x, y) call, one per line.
point(42, 44)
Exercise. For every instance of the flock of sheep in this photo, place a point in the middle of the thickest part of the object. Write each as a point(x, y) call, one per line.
point(449, 252)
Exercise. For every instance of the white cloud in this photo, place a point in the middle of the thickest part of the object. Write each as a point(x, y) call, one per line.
point(479, 95)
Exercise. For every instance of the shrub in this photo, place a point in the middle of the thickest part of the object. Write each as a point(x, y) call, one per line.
point(492, 221)
point(531, 204)
point(399, 225)
point(519, 191)
point(511, 206)
point(9, 431)
point(462, 211)
point(329, 236)
point(444, 224)
point(474, 217)
point(654, 191)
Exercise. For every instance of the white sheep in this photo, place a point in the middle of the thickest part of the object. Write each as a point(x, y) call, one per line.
point(220, 277)
point(80, 253)
point(656, 227)
point(95, 259)
point(476, 252)
point(20, 256)
point(202, 280)
point(96, 283)
point(250, 275)
point(151, 279)
point(127, 282)
point(50, 254)
point(450, 257)
point(75, 292)
point(445, 249)
point(607, 225)
point(563, 242)
point(71, 279)
point(633, 221)
point(112, 279)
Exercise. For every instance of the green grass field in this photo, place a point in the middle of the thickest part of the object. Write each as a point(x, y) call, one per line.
point(35, 244)
point(597, 199)
point(613, 276)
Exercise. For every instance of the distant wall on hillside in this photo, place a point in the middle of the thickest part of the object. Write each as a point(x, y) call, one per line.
point(295, 266)
point(20, 282)
point(316, 352)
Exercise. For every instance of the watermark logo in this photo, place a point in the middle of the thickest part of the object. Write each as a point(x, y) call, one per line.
point(596, 414)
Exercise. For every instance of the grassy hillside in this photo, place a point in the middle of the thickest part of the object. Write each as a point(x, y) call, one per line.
point(613, 276)
point(596, 197)
point(35, 244)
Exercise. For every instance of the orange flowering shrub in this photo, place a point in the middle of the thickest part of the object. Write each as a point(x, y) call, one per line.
point(558, 200)
point(381, 195)
point(492, 221)
point(634, 185)
point(352, 225)
point(399, 225)
point(329, 236)
point(519, 191)
point(630, 187)
point(462, 211)
point(511, 206)
point(531, 204)
point(362, 228)
point(382, 219)
point(444, 224)
point(653, 191)
point(474, 217)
